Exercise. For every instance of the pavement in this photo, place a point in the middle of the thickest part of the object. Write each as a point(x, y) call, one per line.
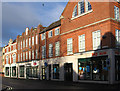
point(29, 84)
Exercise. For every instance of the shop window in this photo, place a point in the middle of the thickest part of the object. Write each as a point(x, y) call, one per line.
point(55, 71)
point(7, 71)
point(13, 71)
point(35, 72)
point(21, 71)
point(84, 69)
point(93, 69)
point(117, 68)
point(29, 71)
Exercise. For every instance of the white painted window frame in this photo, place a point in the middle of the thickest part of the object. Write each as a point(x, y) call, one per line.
point(57, 48)
point(81, 43)
point(69, 46)
point(50, 50)
point(96, 37)
point(57, 31)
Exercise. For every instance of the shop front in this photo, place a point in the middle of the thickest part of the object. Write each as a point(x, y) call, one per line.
point(13, 71)
point(7, 71)
point(32, 70)
point(21, 71)
point(55, 71)
point(117, 68)
point(95, 68)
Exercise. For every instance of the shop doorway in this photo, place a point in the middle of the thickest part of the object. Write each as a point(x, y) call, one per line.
point(49, 72)
point(68, 72)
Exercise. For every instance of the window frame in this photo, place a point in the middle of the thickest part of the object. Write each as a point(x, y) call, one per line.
point(50, 33)
point(57, 48)
point(69, 46)
point(57, 31)
point(81, 41)
point(50, 50)
point(43, 36)
point(96, 39)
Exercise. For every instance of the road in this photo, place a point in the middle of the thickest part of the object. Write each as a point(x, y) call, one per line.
point(38, 84)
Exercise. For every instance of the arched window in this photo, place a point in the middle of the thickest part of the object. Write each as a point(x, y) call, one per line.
point(88, 5)
point(7, 59)
point(83, 6)
point(75, 12)
point(14, 58)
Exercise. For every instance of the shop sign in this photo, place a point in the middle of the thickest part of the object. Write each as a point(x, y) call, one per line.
point(29, 64)
point(99, 53)
point(35, 63)
point(45, 64)
point(117, 53)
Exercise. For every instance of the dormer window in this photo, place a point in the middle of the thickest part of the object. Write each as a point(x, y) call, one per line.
point(82, 8)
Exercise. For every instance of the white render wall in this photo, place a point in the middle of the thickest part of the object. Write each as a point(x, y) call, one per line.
point(74, 60)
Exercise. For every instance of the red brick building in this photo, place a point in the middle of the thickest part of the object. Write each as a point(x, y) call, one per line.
point(28, 47)
point(89, 44)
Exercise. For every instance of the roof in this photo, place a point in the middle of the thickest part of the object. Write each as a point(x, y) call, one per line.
point(14, 41)
point(51, 26)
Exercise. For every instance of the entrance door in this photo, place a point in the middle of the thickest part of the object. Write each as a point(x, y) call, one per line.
point(68, 72)
point(27, 73)
point(49, 72)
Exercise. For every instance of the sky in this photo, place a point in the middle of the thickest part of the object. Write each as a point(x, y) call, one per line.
point(16, 16)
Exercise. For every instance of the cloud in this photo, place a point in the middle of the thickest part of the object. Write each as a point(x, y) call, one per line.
point(17, 16)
